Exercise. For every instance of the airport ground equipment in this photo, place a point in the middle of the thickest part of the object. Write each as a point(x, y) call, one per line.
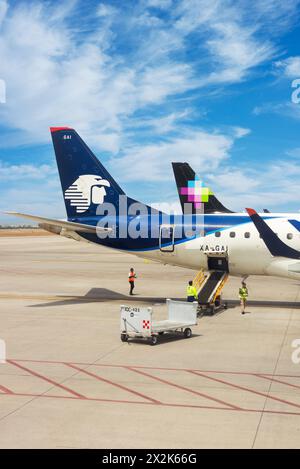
point(209, 287)
point(137, 322)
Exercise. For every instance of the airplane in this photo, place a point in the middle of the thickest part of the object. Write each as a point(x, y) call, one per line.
point(206, 236)
point(184, 174)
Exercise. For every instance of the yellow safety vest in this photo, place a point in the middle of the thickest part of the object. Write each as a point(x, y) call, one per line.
point(243, 292)
point(191, 291)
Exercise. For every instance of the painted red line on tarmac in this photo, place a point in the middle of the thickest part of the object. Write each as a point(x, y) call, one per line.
point(243, 388)
point(282, 376)
point(44, 378)
point(162, 404)
point(157, 368)
point(5, 390)
point(183, 388)
point(112, 383)
point(96, 399)
point(270, 378)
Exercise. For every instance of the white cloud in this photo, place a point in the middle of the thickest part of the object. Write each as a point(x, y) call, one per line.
point(234, 46)
point(204, 151)
point(31, 189)
point(105, 10)
point(56, 76)
point(240, 132)
point(272, 186)
point(237, 51)
point(288, 109)
point(290, 66)
point(277, 15)
point(3, 10)
point(32, 200)
point(173, 207)
point(17, 172)
point(157, 83)
point(81, 85)
point(294, 152)
point(166, 123)
point(162, 4)
point(237, 180)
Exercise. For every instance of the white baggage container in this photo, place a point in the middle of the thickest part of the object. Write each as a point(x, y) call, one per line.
point(137, 322)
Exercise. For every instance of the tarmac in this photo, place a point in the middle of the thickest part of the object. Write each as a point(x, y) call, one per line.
point(69, 382)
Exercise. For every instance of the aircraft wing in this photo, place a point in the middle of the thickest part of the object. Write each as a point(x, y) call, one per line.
point(274, 244)
point(69, 225)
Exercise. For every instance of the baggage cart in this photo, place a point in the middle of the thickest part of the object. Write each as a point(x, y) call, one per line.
point(137, 322)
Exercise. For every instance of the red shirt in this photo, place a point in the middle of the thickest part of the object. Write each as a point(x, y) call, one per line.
point(131, 276)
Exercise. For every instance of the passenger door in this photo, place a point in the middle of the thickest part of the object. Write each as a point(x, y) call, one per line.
point(166, 238)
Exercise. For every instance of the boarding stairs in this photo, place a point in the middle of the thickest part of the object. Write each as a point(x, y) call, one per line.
point(209, 286)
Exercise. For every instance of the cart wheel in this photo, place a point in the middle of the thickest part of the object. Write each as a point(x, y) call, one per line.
point(225, 305)
point(153, 340)
point(124, 337)
point(187, 333)
point(212, 310)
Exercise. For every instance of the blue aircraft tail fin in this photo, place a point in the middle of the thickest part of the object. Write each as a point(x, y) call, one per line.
point(84, 180)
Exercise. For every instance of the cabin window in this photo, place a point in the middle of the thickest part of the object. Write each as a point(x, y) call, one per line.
point(289, 236)
point(232, 234)
point(247, 234)
point(217, 234)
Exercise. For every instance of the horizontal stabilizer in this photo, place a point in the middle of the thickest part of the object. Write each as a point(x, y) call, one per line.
point(68, 225)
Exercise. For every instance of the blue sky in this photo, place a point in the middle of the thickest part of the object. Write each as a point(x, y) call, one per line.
point(146, 83)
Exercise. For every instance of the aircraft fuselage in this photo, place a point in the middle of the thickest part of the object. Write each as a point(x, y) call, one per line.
point(225, 241)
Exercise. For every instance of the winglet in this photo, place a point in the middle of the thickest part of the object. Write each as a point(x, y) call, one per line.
point(251, 211)
point(274, 244)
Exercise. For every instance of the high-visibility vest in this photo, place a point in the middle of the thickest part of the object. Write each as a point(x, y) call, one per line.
point(191, 291)
point(131, 276)
point(243, 293)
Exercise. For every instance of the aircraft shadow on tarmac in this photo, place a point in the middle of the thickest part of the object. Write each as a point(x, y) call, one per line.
point(164, 339)
point(270, 303)
point(100, 295)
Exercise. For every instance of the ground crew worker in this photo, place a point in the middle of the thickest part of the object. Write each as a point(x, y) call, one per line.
point(191, 292)
point(131, 277)
point(243, 294)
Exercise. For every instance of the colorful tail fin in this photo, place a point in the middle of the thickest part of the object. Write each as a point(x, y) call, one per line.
point(191, 190)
